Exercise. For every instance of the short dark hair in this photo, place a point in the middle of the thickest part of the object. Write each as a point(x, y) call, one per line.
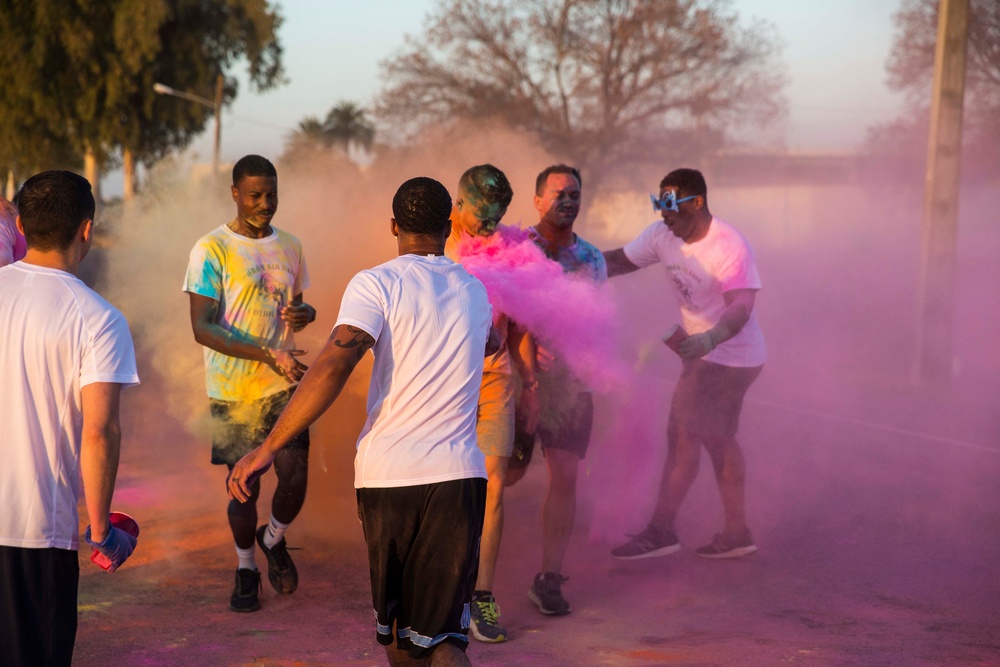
point(689, 182)
point(52, 206)
point(253, 165)
point(488, 183)
point(422, 206)
point(555, 169)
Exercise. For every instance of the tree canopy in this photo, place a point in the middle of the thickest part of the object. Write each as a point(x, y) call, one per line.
point(599, 81)
point(346, 126)
point(81, 73)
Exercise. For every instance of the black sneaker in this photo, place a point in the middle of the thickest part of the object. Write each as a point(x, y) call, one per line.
point(546, 592)
point(486, 620)
point(244, 596)
point(647, 544)
point(281, 570)
point(726, 546)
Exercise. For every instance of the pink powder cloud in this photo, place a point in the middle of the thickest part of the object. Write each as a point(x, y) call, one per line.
point(571, 315)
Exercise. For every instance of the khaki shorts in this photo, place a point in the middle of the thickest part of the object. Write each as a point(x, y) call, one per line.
point(495, 425)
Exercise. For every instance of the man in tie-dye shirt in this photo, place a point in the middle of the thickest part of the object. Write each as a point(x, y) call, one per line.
point(245, 281)
point(567, 407)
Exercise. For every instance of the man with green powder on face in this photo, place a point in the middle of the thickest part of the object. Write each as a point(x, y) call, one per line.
point(484, 193)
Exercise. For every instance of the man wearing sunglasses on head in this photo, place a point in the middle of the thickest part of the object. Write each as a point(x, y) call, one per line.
point(712, 271)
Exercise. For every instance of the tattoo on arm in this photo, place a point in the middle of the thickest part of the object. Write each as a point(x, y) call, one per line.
point(359, 339)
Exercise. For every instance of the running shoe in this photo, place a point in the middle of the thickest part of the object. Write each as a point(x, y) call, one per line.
point(244, 596)
point(649, 543)
point(281, 570)
point(486, 620)
point(724, 546)
point(546, 592)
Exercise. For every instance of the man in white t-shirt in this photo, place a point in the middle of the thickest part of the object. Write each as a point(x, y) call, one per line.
point(419, 474)
point(711, 270)
point(245, 281)
point(66, 354)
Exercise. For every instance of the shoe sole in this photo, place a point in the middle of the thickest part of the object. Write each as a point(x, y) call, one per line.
point(245, 611)
point(738, 552)
point(548, 612)
point(662, 551)
point(484, 638)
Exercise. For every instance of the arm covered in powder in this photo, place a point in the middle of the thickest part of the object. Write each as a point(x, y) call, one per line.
point(207, 332)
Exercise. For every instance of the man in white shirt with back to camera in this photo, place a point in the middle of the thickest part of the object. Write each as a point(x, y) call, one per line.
point(419, 474)
point(712, 271)
point(66, 354)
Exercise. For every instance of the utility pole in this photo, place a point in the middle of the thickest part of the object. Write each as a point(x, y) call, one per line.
point(940, 216)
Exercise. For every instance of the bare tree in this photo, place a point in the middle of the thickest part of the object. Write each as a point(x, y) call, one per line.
point(911, 68)
point(600, 81)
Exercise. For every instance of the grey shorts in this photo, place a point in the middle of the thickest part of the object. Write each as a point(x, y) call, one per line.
point(238, 427)
point(709, 398)
point(569, 430)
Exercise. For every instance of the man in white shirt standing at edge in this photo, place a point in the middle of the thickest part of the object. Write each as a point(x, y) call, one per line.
point(711, 269)
point(66, 354)
point(419, 474)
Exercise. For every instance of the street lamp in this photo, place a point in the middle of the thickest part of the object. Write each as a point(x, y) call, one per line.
point(162, 89)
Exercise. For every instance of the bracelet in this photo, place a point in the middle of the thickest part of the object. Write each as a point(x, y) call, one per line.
point(529, 386)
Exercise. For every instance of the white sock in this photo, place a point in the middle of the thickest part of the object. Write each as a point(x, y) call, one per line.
point(247, 561)
point(275, 531)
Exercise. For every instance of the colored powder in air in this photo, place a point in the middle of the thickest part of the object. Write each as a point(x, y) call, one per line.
point(570, 314)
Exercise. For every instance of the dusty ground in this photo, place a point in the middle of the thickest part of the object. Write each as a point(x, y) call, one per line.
point(879, 545)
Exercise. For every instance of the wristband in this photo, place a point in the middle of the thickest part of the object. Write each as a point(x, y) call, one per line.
point(529, 386)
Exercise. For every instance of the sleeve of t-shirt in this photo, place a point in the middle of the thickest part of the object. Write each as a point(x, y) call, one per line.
point(364, 305)
point(642, 251)
point(302, 275)
point(736, 268)
point(110, 357)
point(204, 272)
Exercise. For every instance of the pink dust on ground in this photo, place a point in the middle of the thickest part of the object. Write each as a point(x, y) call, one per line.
point(573, 316)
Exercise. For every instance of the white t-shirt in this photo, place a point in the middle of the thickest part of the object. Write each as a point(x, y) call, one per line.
point(252, 279)
point(699, 274)
point(58, 336)
point(430, 320)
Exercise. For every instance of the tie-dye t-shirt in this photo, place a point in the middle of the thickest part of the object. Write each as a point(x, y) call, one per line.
point(252, 279)
point(581, 257)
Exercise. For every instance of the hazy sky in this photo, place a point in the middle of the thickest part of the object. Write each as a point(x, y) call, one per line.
point(835, 52)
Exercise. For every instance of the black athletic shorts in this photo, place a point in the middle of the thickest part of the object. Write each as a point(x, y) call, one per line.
point(38, 594)
point(238, 427)
point(423, 556)
point(708, 398)
point(567, 429)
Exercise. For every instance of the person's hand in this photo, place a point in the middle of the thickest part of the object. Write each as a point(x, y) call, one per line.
point(529, 407)
point(544, 359)
point(247, 471)
point(284, 363)
point(298, 315)
point(117, 546)
point(696, 346)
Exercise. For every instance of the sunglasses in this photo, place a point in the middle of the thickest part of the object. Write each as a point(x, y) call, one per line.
point(668, 202)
